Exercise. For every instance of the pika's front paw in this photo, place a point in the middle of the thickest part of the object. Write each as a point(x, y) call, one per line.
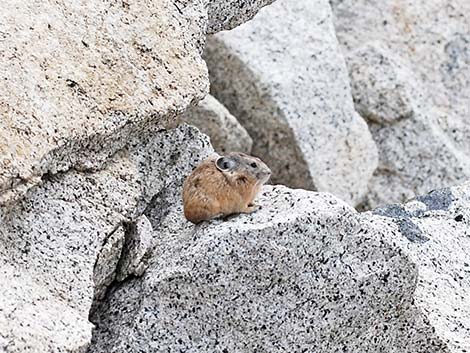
point(251, 208)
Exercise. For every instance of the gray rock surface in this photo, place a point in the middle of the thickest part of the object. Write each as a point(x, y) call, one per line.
point(104, 272)
point(384, 89)
point(60, 243)
point(434, 232)
point(79, 80)
point(91, 221)
point(416, 152)
point(34, 320)
point(283, 76)
point(409, 64)
point(227, 14)
point(304, 273)
point(225, 132)
point(86, 90)
point(137, 250)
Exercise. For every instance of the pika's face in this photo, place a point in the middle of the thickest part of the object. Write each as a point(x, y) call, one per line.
point(236, 163)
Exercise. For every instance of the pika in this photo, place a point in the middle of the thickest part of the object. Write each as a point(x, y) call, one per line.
point(223, 185)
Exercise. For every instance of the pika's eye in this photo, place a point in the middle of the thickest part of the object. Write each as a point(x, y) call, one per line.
point(254, 165)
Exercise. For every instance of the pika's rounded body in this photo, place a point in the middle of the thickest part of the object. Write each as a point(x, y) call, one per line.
point(223, 185)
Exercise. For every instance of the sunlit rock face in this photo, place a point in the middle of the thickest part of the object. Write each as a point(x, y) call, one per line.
point(284, 77)
point(409, 63)
point(304, 273)
point(79, 79)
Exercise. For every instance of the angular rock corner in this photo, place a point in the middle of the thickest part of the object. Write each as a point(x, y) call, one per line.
point(89, 96)
point(263, 72)
point(304, 273)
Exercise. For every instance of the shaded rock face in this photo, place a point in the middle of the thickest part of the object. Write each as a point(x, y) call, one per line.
point(227, 14)
point(61, 245)
point(409, 64)
point(78, 80)
point(138, 248)
point(304, 273)
point(224, 130)
point(283, 76)
point(106, 264)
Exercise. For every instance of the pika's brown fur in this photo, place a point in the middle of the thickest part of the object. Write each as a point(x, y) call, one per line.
point(223, 185)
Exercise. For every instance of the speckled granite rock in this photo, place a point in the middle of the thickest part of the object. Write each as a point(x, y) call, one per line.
point(80, 79)
point(137, 250)
point(225, 132)
point(434, 232)
point(384, 89)
point(227, 14)
point(106, 264)
point(304, 273)
point(421, 100)
point(34, 320)
point(416, 153)
point(62, 237)
point(284, 78)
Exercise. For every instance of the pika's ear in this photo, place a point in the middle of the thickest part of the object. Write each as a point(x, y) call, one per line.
point(224, 164)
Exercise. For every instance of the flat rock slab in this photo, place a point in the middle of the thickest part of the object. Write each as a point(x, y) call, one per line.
point(78, 80)
point(304, 273)
point(284, 77)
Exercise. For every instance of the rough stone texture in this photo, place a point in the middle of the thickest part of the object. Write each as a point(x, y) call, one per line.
point(419, 95)
point(304, 273)
point(78, 80)
point(283, 76)
point(227, 14)
point(137, 250)
point(104, 272)
point(416, 153)
point(383, 88)
point(33, 320)
point(61, 236)
point(225, 132)
point(435, 231)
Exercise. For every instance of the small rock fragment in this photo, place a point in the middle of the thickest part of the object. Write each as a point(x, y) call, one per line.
point(137, 249)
